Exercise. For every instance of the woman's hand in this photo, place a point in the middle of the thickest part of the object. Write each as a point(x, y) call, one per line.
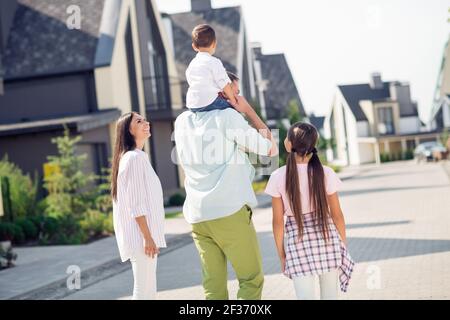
point(150, 247)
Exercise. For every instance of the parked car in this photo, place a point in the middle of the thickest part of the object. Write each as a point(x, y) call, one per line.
point(430, 151)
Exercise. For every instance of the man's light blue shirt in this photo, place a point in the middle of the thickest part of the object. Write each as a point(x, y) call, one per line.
point(218, 174)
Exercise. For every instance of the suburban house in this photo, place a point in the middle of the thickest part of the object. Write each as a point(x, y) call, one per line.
point(440, 112)
point(318, 122)
point(233, 48)
point(5, 25)
point(373, 119)
point(275, 86)
point(84, 77)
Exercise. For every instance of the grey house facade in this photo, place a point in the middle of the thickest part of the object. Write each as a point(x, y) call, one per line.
point(85, 78)
point(233, 47)
point(275, 85)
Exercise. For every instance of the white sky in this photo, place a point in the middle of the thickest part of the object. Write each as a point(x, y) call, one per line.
point(330, 42)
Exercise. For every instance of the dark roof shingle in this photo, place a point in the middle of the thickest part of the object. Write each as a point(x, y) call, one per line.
point(281, 88)
point(317, 121)
point(82, 122)
point(354, 93)
point(226, 24)
point(40, 42)
point(1, 74)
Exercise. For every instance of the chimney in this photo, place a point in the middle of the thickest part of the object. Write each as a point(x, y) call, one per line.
point(200, 5)
point(400, 92)
point(256, 48)
point(7, 12)
point(375, 81)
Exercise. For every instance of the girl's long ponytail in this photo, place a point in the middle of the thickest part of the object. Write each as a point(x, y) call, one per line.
point(293, 191)
point(317, 193)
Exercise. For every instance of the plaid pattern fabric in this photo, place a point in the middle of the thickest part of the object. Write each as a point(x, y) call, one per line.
point(312, 255)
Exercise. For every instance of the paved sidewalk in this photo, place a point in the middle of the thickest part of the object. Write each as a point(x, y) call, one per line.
point(398, 228)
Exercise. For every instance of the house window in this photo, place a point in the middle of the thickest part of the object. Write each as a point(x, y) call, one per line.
point(385, 121)
point(157, 93)
point(131, 66)
point(410, 144)
point(96, 157)
point(440, 118)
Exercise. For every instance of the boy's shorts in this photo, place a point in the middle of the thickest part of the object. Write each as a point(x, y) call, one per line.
point(219, 104)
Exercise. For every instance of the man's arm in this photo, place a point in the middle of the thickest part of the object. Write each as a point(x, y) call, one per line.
point(228, 93)
point(244, 107)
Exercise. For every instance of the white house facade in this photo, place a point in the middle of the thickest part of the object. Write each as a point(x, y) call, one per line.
point(373, 120)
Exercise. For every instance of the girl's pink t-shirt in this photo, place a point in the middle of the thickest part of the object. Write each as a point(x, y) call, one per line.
point(276, 186)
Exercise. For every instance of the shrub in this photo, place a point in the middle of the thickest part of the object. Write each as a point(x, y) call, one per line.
point(76, 238)
point(385, 157)
point(109, 224)
point(38, 222)
point(176, 199)
point(41, 207)
point(22, 189)
point(28, 227)
point(96, 223)
point(408, 154)
point(50, 226)
point(18, 234)
point(12, 232)
point(6, 231)
point(62, 230)
point(335, 168)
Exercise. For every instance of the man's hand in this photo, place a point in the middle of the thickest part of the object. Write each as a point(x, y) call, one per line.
point(244, 107)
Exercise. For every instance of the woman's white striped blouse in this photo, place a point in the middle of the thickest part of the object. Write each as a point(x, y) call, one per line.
point(139, 192)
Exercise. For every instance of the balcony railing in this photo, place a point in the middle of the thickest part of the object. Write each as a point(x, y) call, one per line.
point(157, 90)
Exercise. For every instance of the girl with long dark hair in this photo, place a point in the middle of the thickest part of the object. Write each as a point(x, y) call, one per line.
point(138, 206)
point(308, 224)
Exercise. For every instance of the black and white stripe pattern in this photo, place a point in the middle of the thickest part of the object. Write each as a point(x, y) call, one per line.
point(139, 192)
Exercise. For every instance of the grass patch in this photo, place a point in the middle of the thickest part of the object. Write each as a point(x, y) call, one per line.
point(259, 186)
point(174, 215)
point(335, 167)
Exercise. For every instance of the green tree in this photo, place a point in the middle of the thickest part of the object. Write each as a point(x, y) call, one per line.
point(282, 133)
point(293, 112)
point(325, 144)
point(66, 180)
point(257, 107)
point(19, 190)
point(293, 115)
point(97, 220)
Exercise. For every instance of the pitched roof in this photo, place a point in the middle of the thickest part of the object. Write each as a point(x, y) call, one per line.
point(317, 121)
point(226, 24)
point(354, 93)
point(281, 88)
point(82, 123)
point(1, 74)
point(40, 42)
